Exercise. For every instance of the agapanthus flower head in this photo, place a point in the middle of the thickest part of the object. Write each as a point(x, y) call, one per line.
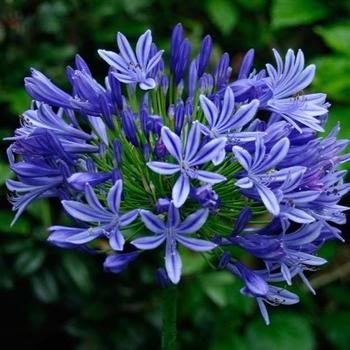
point(192, 158)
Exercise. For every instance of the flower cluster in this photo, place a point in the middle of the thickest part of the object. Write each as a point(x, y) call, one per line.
point(185, 156)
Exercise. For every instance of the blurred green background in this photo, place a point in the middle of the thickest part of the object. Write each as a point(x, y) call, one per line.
point(52, 298)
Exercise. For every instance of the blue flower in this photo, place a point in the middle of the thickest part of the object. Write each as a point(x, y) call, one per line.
point(228, 122)
point(172, 232)
point(188, 159)
point(256, 286)
point(284, 251)
point(289, 79)
point(37, 180)
point(118, 262)
point(133, 68)
point(256, 169)
point(108, 222)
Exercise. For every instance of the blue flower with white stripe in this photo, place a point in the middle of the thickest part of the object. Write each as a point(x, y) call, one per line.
point(134, 67)
point(188, 158)
point(103, 222)
point(173, 232)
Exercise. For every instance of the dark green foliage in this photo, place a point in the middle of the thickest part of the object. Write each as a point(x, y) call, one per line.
point(53, 298)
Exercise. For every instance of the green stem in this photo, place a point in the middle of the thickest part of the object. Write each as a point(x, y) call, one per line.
point(169, 318)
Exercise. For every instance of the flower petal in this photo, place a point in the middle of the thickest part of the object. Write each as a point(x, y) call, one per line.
point(299, 216)
point(193, 141)
point(143, 48)
point(209, 151)
point(209, 177)
point(245, 182)
point(125, 49)
point(172, 142)
point(148, 242)
point(154, 60)
point(173, 215)
point(181, 190)
point(152, 221)
point(116, 240)
point(193, 222)
point(148, 84)
point(83, 212)
point(128, 217)
point(173, 262)
point(227, 108)
point(243, 156)
point(198, 245)
point(78, 236)
point(210, 111)
point(276, 155)
point(118, 262)
point(163, 168)
point(114, 196)
point(268, 198)
point(92, 199)
point(243, 116)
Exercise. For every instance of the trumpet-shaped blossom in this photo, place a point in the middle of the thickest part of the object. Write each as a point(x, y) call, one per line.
point(108, 223)
point(173, 232)
point(188, 159)
point(133, 67)
point(256, 168)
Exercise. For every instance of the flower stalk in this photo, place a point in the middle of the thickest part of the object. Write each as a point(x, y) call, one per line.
point(169, 311)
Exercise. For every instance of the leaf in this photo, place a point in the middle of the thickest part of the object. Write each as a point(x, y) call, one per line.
point(192, 263)
point(223, 14)
point(252, 5)
point(17, 98)
point(333, 77)
point(289, 13)
point(29, 261)
point(336, 328)
point(45, 287)
point(22, 226)
point(336, 36)
point(5, 173)
point(77, 271)
point(287, 331)
point(215, 285)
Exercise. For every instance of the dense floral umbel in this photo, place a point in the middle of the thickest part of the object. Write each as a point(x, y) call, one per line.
point(188, 158)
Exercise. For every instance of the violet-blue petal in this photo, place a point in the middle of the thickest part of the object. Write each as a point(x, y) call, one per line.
point(148, 242)
point(118, 262)
point(173, 215)
point(193, 141)
point(209, 109)
point(243, 157)
point(269, 199)
point(193, 222)
point(209, 177)
point(181, 190)
point(172, 143)
point(62, 234)
point(83, 212)
point(92, 200)
point(129, 217)
point(298, 215)
point(116, 239)
point(195, 244)
point(114, 196)
point(163, 168)
point(152, 221)
point(143, 48)
point(208, 151)
point(173, 263)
